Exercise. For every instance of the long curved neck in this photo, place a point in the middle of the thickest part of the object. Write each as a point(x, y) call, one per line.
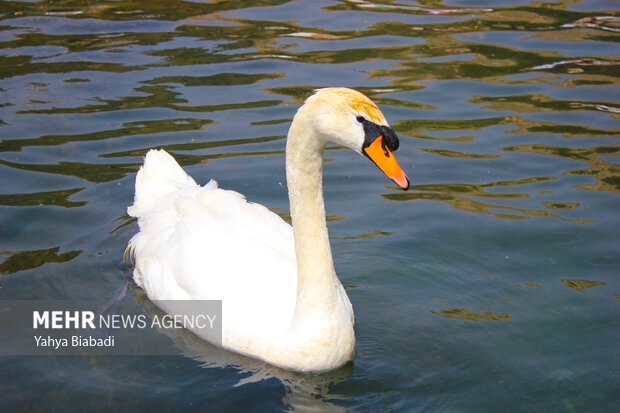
point(317, 285)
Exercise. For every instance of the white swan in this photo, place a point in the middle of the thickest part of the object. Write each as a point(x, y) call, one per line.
point(281, 299)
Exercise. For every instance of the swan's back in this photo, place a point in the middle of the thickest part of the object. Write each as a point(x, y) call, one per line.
point(205, 243)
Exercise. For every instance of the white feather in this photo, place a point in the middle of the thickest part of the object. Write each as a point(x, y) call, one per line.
point(196, 243)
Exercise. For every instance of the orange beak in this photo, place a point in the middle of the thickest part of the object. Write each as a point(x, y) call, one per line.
point(383, 157)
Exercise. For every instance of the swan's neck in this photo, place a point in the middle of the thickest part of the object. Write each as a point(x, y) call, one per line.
point(318, 288)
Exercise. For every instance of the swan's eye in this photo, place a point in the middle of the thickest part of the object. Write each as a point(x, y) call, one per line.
point(361, 119)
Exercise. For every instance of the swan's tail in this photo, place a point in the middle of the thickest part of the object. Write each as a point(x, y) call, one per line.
point(159, 176)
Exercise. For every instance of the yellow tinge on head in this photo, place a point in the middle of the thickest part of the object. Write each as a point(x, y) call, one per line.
point(356, 101)
point(379, 139)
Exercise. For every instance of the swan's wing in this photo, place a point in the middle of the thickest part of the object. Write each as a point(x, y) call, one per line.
point(246, 251)
point(158, 176)
point(211, 244)
point(205, 243)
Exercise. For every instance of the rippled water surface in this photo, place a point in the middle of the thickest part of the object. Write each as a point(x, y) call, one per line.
point(491, 285)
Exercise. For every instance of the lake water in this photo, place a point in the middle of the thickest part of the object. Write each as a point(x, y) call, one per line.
point(491, 285)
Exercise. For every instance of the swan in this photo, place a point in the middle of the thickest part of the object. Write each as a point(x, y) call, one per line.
point(281, 299)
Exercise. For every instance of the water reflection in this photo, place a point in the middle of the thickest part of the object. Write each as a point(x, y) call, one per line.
point(606, 173)
point(538, 102)
point(581, 285)
point(87, 171)
point(458, 196)
point(477, 315)
point(26, 260)
point(58, 198)
point(303, 392)
point(201, 145)
point(129, 129)
point(155, 97)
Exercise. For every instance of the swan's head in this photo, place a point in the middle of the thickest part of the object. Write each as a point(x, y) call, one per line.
point(351, 119)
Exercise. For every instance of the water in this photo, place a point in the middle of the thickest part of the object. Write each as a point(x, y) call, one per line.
point(491, 285)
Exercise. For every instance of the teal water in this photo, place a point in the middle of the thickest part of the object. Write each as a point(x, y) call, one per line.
point(491, 285)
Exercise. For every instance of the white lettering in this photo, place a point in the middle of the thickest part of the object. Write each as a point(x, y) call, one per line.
point(87, 318)
point(50, 342)
point(56, 319)
point(77, 341)
point(40, 319)
point(63, 319)
point(75, 319)
point(183, 321)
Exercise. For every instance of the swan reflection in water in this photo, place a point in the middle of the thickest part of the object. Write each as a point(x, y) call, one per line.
point(303, 392)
